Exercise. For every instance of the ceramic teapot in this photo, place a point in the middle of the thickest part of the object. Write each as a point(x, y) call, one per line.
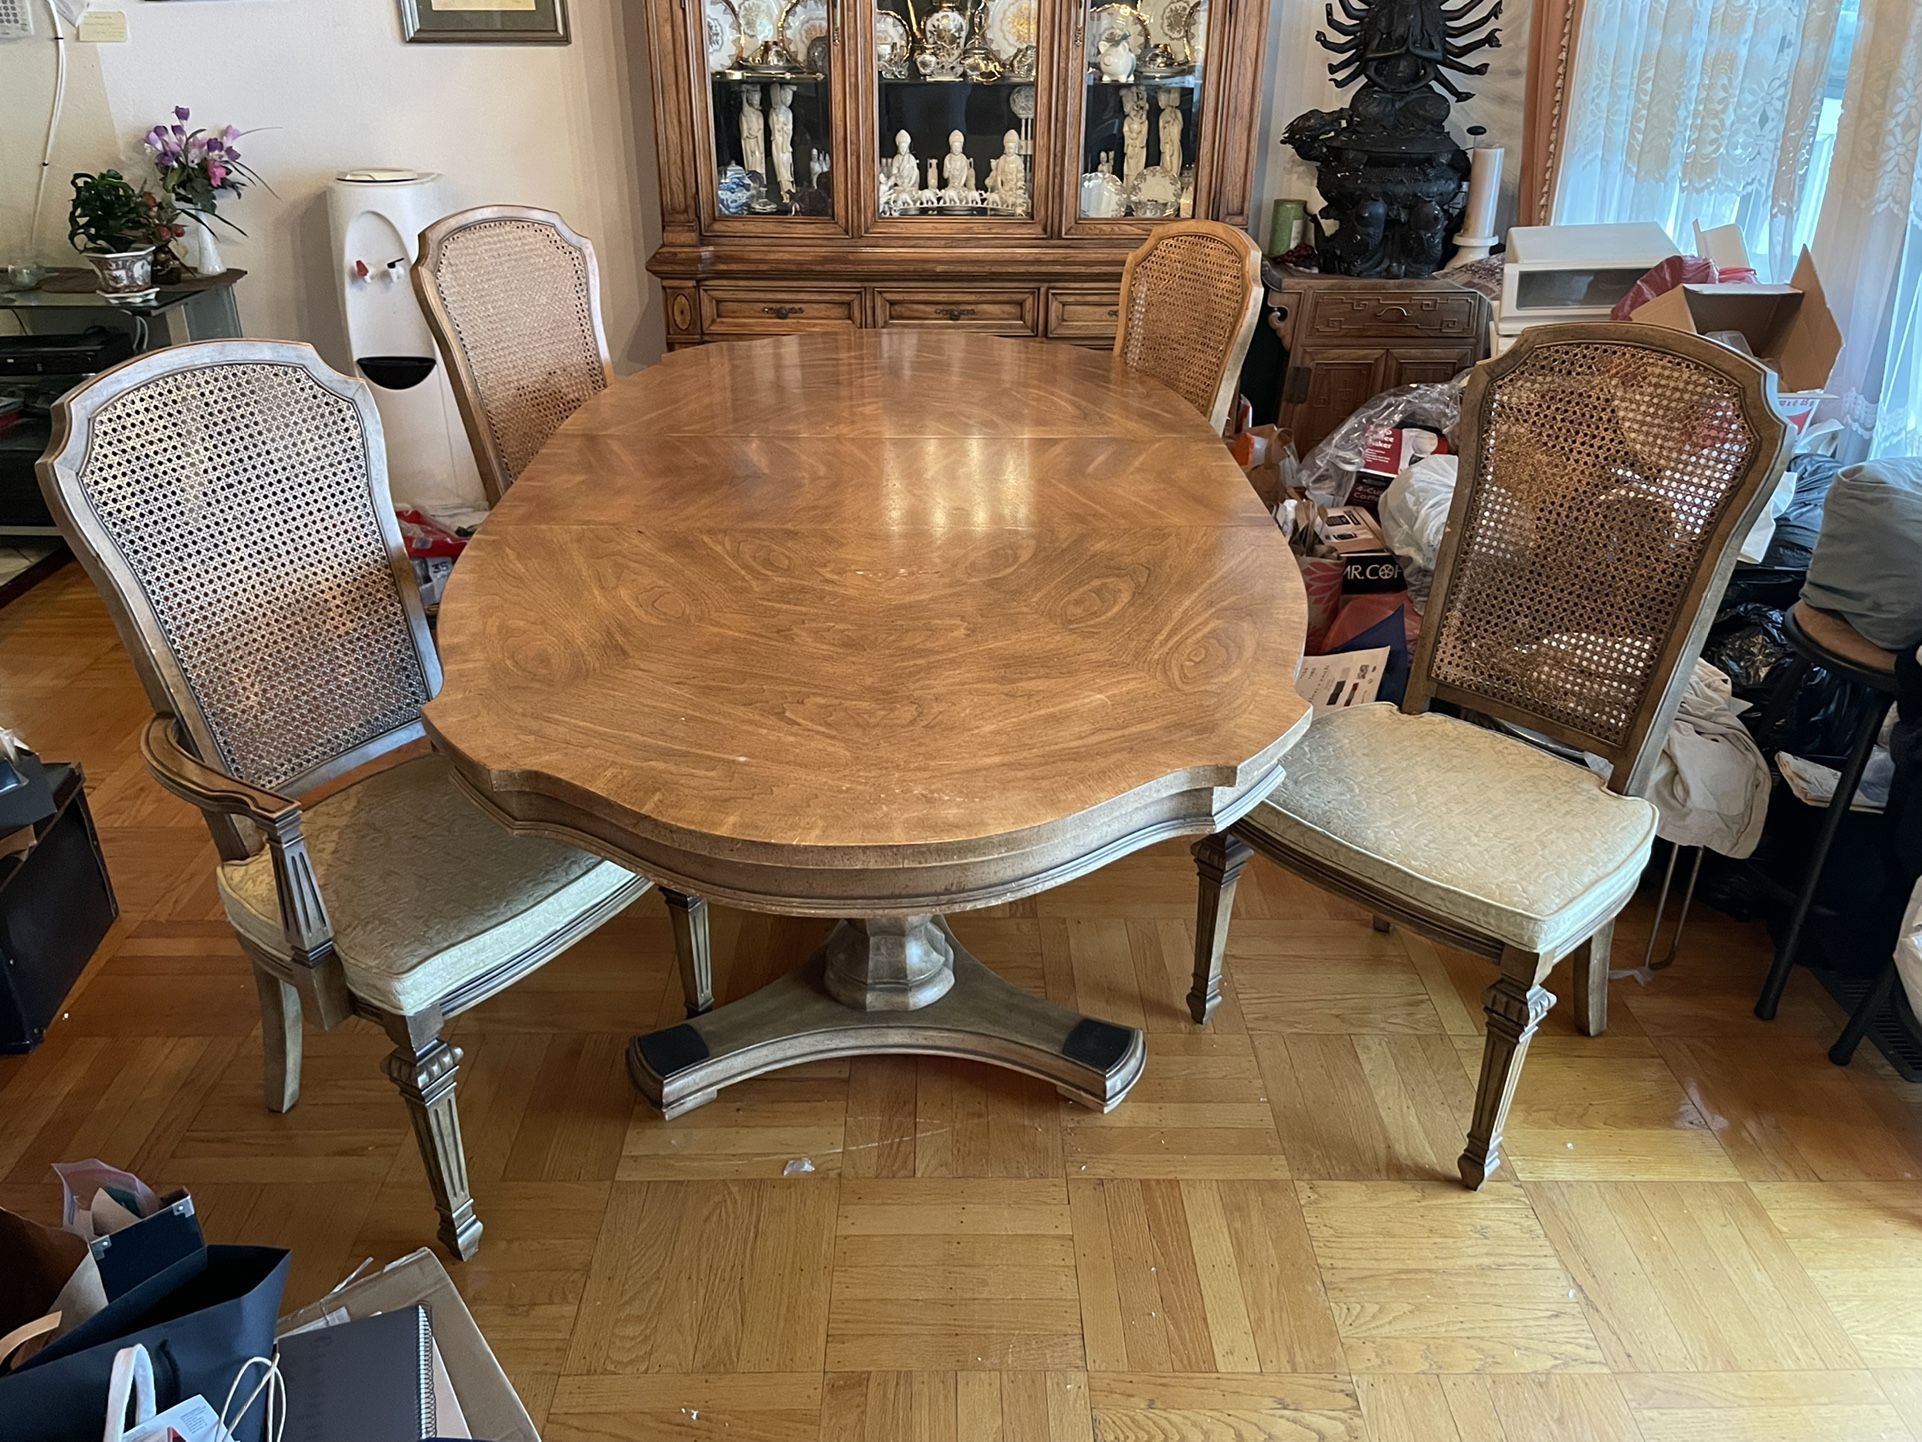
point(1116, 60)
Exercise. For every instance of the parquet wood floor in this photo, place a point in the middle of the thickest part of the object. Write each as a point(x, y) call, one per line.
point(1706, 1233)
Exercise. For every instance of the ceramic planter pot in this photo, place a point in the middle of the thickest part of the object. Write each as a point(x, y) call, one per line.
point(126, 276)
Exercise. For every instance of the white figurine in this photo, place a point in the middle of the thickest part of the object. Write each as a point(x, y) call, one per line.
point(1134, 134)
point(957, 171)
point(753, 132)
point(781, 140)
point(934, 176)
point(1171, 123)
point(902, 171)
point(1008, 175)
point(817, 167)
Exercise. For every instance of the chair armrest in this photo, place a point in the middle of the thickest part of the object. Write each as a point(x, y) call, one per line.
point(194, 781)
point(303, 916)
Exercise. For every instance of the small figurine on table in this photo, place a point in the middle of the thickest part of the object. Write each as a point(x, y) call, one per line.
point(957, 170)
point(1008, 176)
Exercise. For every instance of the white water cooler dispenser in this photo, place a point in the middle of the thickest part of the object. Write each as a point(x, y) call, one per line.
point(376, 217)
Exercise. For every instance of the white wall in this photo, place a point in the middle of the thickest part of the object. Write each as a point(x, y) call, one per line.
point(332, 86)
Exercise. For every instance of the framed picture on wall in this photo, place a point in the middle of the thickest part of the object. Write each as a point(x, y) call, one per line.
point(522, 22)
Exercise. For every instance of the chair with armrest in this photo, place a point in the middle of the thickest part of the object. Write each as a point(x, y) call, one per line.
point(1190, 297)
point(513, 297)
point(1607, 476)
point(230, 501)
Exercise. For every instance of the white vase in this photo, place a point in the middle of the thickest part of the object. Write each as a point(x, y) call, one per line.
point(202, 256)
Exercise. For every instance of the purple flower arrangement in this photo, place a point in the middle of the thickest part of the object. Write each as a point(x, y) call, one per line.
point(197, 167)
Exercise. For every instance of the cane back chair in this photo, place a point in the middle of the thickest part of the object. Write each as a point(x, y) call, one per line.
point(1607, 476)
point(230, 501)
point(1190, 297)
point(513, 297)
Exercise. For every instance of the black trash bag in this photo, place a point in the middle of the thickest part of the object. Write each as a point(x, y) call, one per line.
point(1806, 711)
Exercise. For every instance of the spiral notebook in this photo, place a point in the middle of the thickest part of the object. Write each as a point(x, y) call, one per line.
point(370, 1380)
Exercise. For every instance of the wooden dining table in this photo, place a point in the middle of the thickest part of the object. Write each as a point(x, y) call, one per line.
point(878, 626)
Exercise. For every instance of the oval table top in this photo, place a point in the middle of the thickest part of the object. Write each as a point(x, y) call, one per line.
point(873, 623)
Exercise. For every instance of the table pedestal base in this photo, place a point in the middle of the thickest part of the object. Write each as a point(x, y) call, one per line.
point(889, 985)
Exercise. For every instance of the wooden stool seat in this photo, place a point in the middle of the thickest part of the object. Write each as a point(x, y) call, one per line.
point(1835, 640)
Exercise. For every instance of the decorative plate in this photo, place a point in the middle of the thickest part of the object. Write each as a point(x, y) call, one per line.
point(1156, 192)
point(891, 42)
point(1021, 102)
point(1010, 27)
point(1194, 30)
point(802, 23)
point(760, 23)
point(817, 57)
point(1115, 22)
point(723, 25)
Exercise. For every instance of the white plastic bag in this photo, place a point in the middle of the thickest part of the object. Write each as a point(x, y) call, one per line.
point(1414, 514)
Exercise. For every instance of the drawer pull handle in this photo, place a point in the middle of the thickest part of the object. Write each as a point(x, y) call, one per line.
point(1114, 312)
point(782, 312)
point(958, 312)
point(1392, 312)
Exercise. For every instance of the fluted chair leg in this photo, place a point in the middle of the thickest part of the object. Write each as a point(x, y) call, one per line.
point(1516, 1004)
point(279, 1039)
point(692, 952)
point(426, 1071)
point(1219, 860)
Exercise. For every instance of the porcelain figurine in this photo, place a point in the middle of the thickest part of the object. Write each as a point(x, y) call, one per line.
point(957, 171)
point(934, 175)
point(781, 140)
point(1008, 175)
point(1105, 166)
point(1116, 60)
point(1171, 124)
point(903, 171)
point(1134, 134)
point(753, 131)
point(817, 167)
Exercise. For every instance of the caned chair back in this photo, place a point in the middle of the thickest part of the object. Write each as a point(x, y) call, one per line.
point(230, 501)
point(1608, 474)
point(1189, 300)
point(513, 297)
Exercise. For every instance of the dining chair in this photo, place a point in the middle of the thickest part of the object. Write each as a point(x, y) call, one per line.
point(229, 500)
point(1190, 296)
point(513, 297)
point(1607, 476)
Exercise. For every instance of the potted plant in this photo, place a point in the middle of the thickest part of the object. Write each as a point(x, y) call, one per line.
point(196, 168)
point(116, 227)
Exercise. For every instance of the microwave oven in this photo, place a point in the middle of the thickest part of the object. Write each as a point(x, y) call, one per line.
point(1574, 272)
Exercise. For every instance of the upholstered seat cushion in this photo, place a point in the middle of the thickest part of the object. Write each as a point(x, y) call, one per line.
point(425, 892)
point(1466, 823)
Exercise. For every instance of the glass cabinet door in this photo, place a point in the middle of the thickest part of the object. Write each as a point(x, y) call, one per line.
point(955, 89)
point(769, 68)
point(1141, 110)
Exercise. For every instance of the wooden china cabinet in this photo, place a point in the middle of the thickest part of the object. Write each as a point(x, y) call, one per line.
point(787, 204)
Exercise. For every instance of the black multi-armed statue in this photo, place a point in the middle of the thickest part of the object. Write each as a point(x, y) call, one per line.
point(1392, 179)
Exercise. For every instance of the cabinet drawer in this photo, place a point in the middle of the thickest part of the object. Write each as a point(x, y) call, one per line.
point(1084, 314)
point(753, 310)
point(1002, 312)
point(1360, 316)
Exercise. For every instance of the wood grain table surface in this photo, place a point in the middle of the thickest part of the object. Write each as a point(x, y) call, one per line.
point(873, 625)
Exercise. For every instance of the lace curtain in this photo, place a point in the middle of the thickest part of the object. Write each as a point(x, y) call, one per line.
point(1869, 241)
point(1699, 110)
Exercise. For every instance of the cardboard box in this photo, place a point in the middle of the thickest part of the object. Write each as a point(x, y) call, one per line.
point(1790, 328)
point(1367, 563)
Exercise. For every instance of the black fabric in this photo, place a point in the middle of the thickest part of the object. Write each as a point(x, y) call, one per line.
point(200, 1320)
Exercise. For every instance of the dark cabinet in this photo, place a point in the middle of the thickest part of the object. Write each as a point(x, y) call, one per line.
point(1348, 340)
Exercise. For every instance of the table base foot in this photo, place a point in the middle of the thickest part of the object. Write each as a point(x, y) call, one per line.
point(798, 1019)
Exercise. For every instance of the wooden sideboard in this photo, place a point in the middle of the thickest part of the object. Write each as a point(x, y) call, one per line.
point(1349, 339)
point(808, 254)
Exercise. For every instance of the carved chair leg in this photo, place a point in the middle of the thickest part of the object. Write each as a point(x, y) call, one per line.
point(426, 1072)
point(691, 950)
point(1516, 1004)
point(1591, 981)
point(1219, 860)
point(279, 1038)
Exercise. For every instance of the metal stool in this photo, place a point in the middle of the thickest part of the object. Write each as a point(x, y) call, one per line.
point(1826, 640)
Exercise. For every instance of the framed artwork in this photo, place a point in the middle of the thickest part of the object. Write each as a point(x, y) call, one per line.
point(522, 22)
